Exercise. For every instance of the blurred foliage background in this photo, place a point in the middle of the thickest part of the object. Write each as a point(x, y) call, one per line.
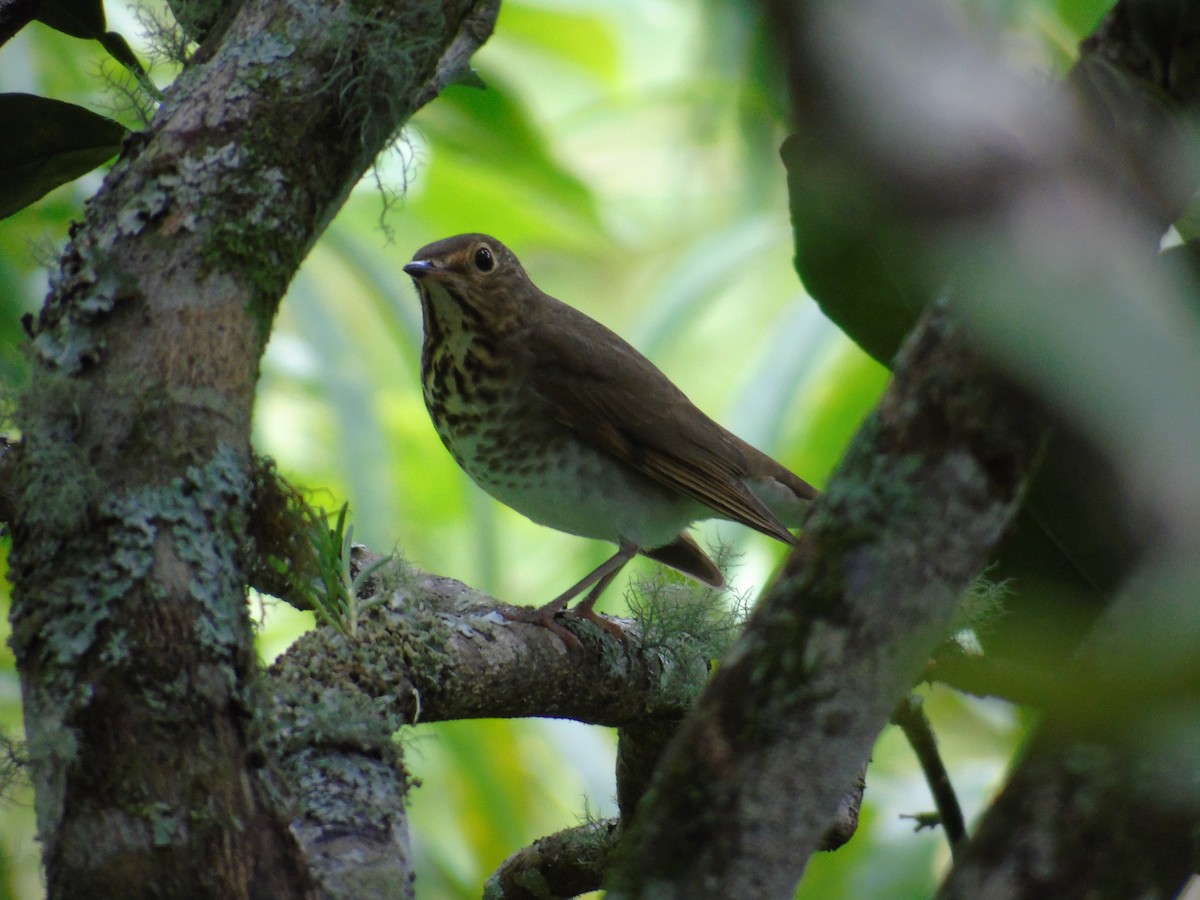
point(629, 155)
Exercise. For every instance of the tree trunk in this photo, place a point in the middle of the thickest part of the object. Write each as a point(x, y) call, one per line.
point(129, 615)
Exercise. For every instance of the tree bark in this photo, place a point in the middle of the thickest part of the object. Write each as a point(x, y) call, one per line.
point(951, 170)
point(129, 614)
point(753, 778)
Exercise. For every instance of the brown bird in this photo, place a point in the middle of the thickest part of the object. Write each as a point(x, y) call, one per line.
point(557, 417)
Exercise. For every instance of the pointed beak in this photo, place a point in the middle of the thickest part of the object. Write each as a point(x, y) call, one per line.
point(420, 268)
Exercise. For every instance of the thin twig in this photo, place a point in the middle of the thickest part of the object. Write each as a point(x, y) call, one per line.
point(910, 717)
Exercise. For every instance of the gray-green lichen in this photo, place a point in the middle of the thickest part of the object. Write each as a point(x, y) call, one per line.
point(688, 624)
point(74, 615)
point(336, 751)
point(886, 488)
point(82, 591)
point(59, 486)
point(85, 290)
point(209, 527)
point(258, 60)
point(55, 746)
point(398, 657)
point(254, 227)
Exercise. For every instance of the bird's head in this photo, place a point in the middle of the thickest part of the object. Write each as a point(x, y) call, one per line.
point(473, 276)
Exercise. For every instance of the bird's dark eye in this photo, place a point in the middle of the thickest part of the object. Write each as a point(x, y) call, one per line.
point(484, 261)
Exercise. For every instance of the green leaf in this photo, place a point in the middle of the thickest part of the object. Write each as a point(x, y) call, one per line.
point(850, 254)
point(493, 133)
point(1082, 15)
point(49, 143)
point(78, 18)
point(118, 48)
point(574, 38)
point(84, 19)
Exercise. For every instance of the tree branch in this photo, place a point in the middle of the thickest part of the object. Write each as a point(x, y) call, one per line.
point(947, 162)
point(435, 650)
point(755, 774)
point(129, 616)
point(566, 864)
point(438, 650)
point(911, 719)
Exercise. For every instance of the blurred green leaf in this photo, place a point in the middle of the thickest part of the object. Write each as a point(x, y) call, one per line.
point(49, 143)
point(345, 379)
point(576, 38)
point(847, 385)
point(394, 299)
point(492, 131)
point(796, 349)
point(1082, 15)
point(78, 18)
point(118, 48)
point(85, 19)
point(699, 276)
point(850, 261)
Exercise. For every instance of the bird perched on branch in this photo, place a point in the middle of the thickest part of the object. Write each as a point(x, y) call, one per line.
point(556, 416)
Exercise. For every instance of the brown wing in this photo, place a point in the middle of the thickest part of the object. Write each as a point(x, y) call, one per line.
point(598, 385)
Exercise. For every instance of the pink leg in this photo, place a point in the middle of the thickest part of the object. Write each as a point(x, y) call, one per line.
point(598, 579)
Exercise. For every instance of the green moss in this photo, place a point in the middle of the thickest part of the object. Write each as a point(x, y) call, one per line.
point(254, 230)
point(860, 505)
point(334, 747)
point(309, 558)
point(59, 486)
point(283, 531)
point(418, 637)
point(308, 715)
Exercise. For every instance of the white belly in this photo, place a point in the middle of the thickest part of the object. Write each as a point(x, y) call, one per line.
point(581, 491)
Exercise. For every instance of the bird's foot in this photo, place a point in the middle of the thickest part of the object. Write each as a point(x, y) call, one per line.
point(543, 616)
point(547, 616)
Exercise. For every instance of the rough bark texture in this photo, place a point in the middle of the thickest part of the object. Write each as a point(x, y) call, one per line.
point(439, 651)
point(754, 776)
point(1002, 183)
point(129, 617)
point(566, 864)
point(435, 650)
point(1081, 818)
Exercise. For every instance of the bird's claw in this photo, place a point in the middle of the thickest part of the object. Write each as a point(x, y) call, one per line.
point(547, 617)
